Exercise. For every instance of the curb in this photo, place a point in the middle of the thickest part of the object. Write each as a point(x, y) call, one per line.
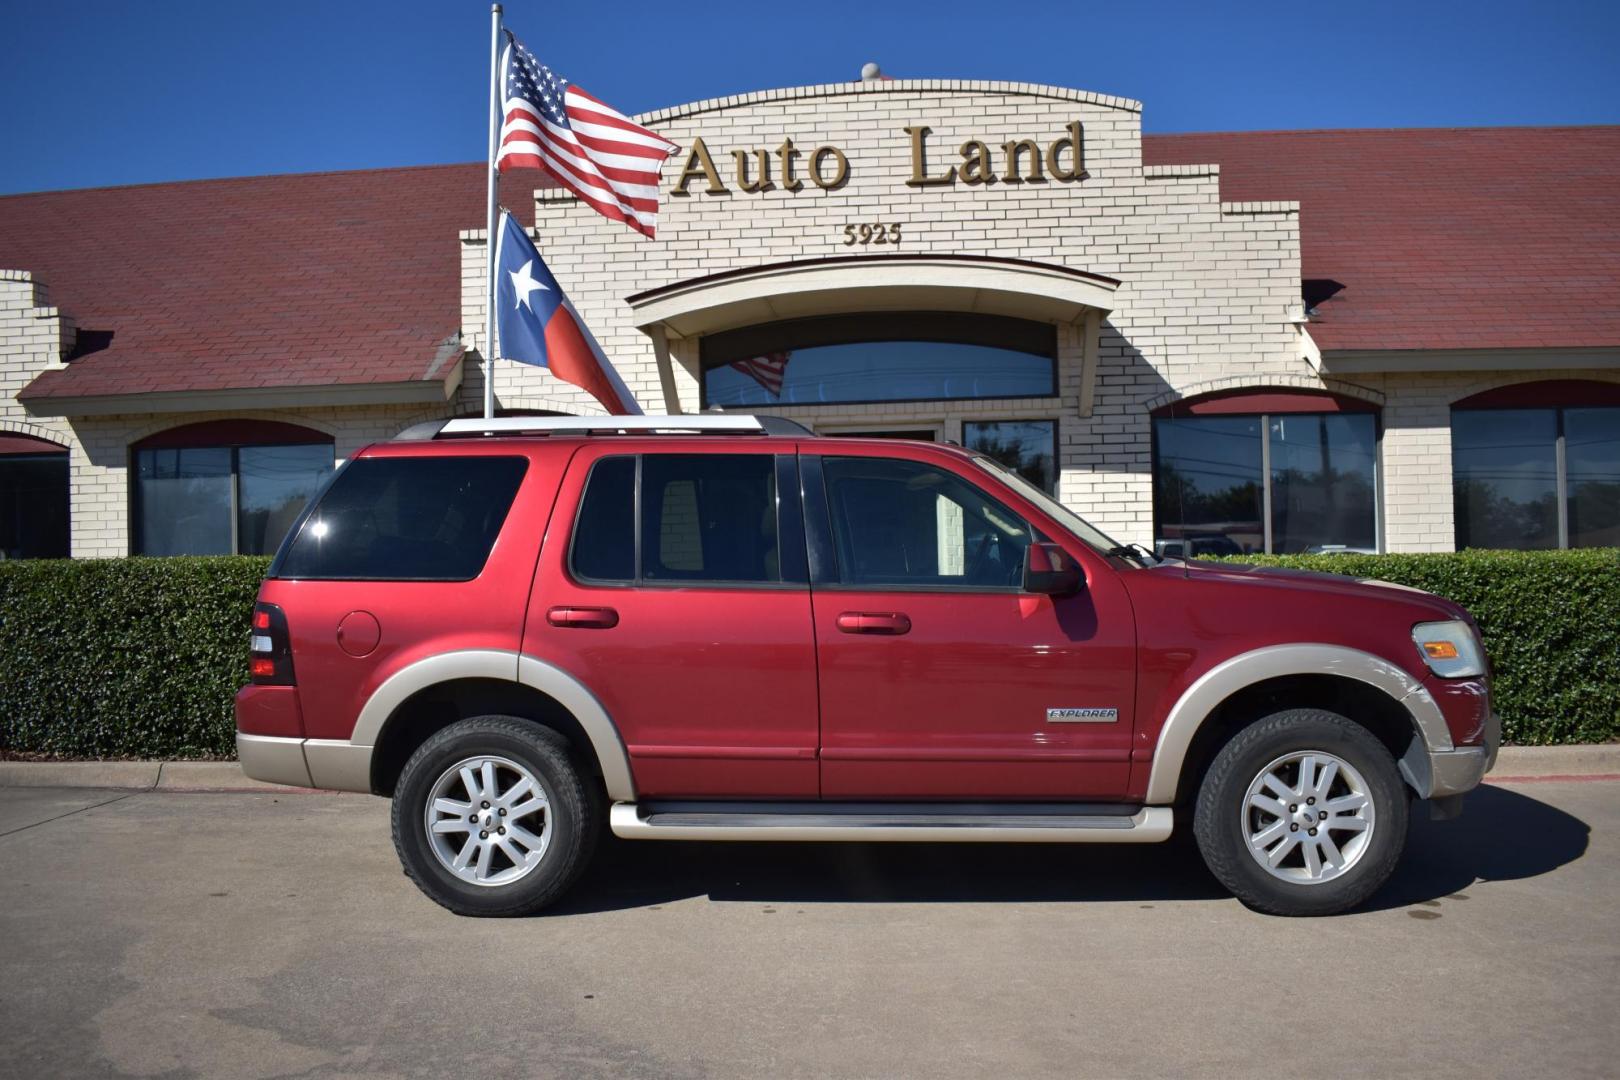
point(1592, 762)
point(193, 776)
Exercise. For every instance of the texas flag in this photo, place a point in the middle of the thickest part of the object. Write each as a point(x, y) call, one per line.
point(536, 324)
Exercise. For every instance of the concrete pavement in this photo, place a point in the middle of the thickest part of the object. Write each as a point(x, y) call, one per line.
point(254, 935)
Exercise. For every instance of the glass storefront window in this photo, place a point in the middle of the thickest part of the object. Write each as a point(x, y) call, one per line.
point(1027, 447)
point(222, 500)
point(1215, 477)
point(925, 356)
point(1504, 478)
point(1592, 460)
point(1207, 486)
point(33, 502)
point(1510, 490)
point(1323, 469)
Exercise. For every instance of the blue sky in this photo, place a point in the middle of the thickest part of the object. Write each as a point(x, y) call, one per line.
point(131, 92)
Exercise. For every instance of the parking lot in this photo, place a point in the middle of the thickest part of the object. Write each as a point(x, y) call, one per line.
point(256, 935)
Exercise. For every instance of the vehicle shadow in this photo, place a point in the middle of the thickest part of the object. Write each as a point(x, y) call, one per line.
point(1502, 835)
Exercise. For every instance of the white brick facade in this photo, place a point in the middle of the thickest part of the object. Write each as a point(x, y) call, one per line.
point(1209, 294)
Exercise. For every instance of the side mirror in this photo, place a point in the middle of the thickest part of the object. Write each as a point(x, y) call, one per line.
point(1051, 571)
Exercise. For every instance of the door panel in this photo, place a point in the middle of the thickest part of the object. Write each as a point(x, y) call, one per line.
point(955, 704)
point(710, 682)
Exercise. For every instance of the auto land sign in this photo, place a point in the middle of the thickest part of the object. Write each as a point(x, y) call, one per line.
point(1013, 161)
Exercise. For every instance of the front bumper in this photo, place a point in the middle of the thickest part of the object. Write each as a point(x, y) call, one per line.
point(1455, 771)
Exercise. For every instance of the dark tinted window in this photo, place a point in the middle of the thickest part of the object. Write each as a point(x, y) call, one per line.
point(901, 523)
point(1592, 448)
point(1504, 475)
point(1210, 483)
point(709, 517)
point(1509, 490)
point(1323, 478)
point(605, 532)
point(407, 519)
point(34, 505)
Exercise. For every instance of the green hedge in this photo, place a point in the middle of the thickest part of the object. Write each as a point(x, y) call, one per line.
point(1551, 621)
point(141, 657)
point(109, 658)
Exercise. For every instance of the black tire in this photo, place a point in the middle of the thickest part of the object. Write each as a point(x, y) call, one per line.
point(1219, 818)
point(575, 815)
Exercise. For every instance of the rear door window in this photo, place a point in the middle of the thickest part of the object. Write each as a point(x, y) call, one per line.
point(709, 518)
point(405, 519)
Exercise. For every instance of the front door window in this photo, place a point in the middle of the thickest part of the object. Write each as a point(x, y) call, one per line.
point(908, 524)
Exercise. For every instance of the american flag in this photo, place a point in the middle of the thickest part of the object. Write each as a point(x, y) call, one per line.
point(768, 370)
point(593, 150)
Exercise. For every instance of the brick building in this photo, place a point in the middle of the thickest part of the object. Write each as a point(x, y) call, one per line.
point(1390, 340)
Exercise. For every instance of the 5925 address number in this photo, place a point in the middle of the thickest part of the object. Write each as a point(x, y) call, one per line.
point(878, 233)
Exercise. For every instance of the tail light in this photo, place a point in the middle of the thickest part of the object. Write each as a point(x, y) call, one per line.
point(270, 660)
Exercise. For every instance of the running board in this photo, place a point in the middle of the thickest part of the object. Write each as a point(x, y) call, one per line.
point(1013, 823)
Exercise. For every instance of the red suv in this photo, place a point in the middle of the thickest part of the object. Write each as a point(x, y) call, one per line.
point(725, 628)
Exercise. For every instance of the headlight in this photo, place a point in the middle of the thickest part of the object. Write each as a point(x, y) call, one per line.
point(1449, 648)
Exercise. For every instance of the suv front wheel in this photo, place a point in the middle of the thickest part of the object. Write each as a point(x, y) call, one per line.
point(1302, 813)
point(492, 817)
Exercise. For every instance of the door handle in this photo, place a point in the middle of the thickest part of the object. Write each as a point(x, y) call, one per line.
point(874, 622)
point(585, 618)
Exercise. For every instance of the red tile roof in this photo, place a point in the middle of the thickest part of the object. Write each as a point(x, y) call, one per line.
point(272, 281)
point(1473, 238)
point(1440, 239)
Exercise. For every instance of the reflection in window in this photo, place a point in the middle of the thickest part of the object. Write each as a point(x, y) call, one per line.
point(1027, 447)
point(880, 357)
point(1211, 483)
point(222, 500)
point(33, 499)
point(1592, 456)
point(1322, 482)
point(1207, 496)
point(1505, 478)
point(902, 523)
point(1507, 485)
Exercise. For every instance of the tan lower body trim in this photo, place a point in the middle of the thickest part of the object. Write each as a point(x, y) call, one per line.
point(273, 759)
point(338, 765)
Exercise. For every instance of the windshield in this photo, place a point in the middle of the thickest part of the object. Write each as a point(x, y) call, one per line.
point(1079, 526)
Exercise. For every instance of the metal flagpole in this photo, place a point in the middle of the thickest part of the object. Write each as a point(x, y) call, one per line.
point(494, 176)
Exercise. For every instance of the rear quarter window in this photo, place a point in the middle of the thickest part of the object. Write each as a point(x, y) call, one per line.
point(405, 519)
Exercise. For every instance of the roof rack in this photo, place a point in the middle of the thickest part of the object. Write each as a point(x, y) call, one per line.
point(704, 424)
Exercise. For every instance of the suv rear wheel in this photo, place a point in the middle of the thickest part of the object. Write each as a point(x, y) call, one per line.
point(492, 817)
point(1302, 813)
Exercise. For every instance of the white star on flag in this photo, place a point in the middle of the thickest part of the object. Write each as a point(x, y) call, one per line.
point(524, 283)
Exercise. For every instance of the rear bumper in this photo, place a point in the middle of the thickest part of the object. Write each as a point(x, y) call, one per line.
point(273, 759)
point(332, 764)
point(1452, 772)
